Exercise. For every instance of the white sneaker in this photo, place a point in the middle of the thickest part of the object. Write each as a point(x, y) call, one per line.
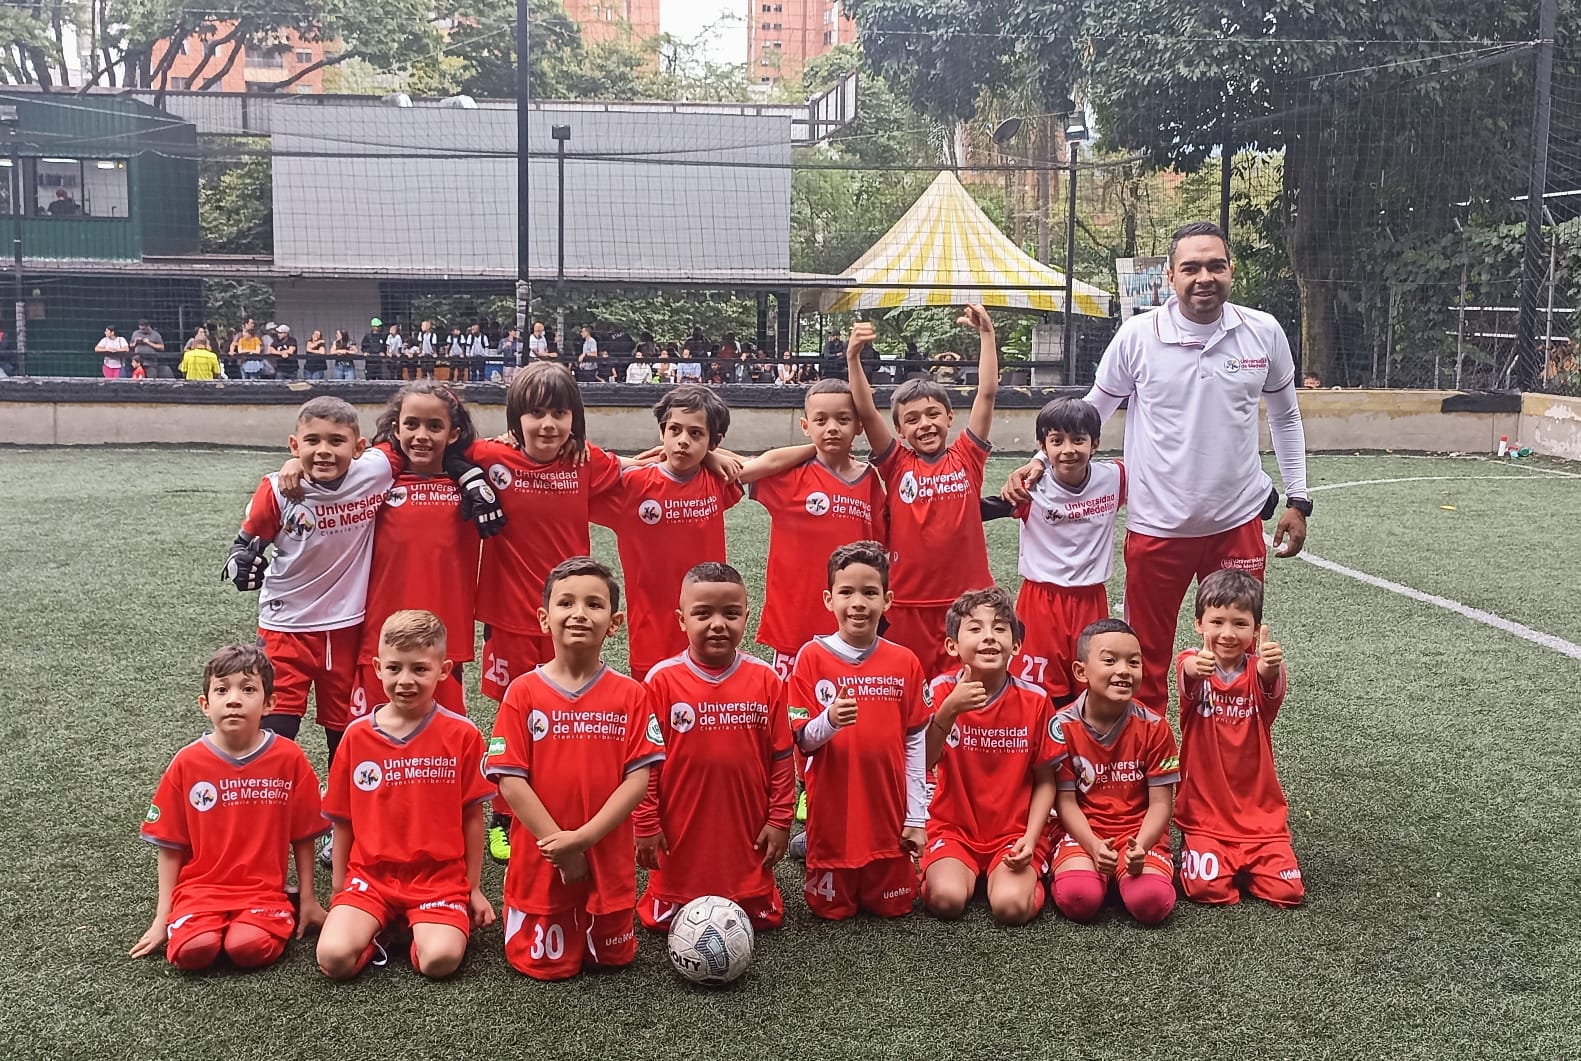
point(326, 854)
point(798, 846)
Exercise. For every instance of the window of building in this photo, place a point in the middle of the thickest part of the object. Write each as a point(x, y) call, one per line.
point(69, 187)
point(256, 87)
point(828, 38)
point(304, 56)
point(180, 84)
point(268, 57)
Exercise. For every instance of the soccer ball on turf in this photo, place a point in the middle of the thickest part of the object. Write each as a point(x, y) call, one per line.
point(711, 941)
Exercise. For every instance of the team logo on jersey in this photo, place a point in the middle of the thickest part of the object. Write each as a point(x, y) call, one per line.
point(797, 714)
point(953, 738)
point(927, 697)
point(936, 844)
point(500, 476)
point(153, 814)
point(650, 512)
point(1231, 366)
point(537, 725)
point(818, 503)
point(907, 490)
point(1085, 774)
point(682, 717)
point(299, 522)
point(1170, 765)
point(396, 497)
point(1056, 734)
point(203, 796)
point(655, 731)
point(1053, 515)
point(825, 693)
point(367, 776)
point(496, 747)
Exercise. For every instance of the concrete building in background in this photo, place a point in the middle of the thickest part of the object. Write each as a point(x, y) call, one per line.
point(783, 35)
point(254, 69)
point(603, 20)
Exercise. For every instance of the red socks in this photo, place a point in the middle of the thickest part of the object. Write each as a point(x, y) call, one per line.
point(1078, 894)
point(1149, 897)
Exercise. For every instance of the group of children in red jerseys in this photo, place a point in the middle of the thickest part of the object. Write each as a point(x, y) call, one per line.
point(1024, 770)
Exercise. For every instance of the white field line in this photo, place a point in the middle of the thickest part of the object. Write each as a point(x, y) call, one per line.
point(1486, 618)
point(1418, 479)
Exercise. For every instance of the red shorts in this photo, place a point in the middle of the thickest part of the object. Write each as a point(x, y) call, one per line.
point(920, 627)
point(980, 859)
point(1212, 871)
point(508, 655)
point(322, 660)
point(435, 900)
point(886, 887)
point(560, 945)
point(277, 921)
point(369, 692)
point(1054, 617)
point(1157, 859)
point(764, 911)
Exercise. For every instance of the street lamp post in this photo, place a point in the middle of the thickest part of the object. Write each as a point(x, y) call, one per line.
point(1075, 133)
point(562, 135)
point(523, 142)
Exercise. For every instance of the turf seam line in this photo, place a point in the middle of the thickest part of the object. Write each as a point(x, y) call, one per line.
point(1497, 622)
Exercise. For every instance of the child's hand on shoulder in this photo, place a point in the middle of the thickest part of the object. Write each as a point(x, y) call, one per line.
point(292, 472)
point(1270, 657)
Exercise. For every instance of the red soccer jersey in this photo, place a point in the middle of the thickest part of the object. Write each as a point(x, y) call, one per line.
point(404, 797)
point(424, 556)
point(546, 512)
point(983, 780)
point(936, 546)
point(812, 512)
point(856, 783)
point(236, 819)
point(664, 526)
point(574, 749)
point(722, 734)
point(1111, 772)
point(1229, 789)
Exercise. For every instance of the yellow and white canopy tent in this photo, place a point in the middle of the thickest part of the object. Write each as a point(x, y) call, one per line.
point(946, 252)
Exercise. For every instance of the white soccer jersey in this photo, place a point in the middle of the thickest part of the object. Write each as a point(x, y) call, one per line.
point(323, 546)
point(1191, 444)
point(1067, 536)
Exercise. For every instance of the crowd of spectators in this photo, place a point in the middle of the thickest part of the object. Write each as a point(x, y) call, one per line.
point(483, 350)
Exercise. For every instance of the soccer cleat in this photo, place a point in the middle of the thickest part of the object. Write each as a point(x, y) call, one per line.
point(801, 806)
point(326, 854)
point(499, 844)
point(798, 846)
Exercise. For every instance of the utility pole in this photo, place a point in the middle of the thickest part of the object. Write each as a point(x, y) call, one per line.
point(523, 199)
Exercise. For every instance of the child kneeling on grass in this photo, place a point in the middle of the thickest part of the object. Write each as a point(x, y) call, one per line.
point(1116, 785)
point(406, 797)
point(228, 808)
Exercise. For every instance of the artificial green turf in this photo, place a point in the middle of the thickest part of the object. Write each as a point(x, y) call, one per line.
point(1429, 762)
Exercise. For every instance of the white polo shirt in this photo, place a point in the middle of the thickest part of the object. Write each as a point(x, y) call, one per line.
point(1191, 450)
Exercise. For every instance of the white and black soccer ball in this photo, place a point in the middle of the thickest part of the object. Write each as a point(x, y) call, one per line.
point(711, 941)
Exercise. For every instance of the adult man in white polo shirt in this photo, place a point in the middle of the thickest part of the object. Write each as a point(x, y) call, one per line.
point(1194, 371)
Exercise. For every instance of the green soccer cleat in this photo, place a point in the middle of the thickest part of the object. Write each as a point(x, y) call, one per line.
point(801, 806)
point(499, 844)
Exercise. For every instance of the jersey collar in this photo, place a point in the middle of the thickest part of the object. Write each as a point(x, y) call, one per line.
point(1168, 331)
point(572, 694)
point(707, 675)
point(225, 756)
point(835, 645)
point(373, 720)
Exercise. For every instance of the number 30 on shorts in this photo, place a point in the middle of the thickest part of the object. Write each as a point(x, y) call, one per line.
point(1199, 865)
point(547, 942)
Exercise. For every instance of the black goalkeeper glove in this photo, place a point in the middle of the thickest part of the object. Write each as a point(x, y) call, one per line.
point(479, 502)
point(245, 565)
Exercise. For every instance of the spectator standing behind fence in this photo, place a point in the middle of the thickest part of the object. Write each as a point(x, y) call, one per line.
point(343, 354)
point(394, 349)
point(372, 347)
point(148, 344)
point(587, 361)
point(249, 351)
point(288, 364)
point(314, 364)
point(424, 344)
point(478, 350)
point(511, 353)
point(114, 349)
point(538, 342)
point(198, 359)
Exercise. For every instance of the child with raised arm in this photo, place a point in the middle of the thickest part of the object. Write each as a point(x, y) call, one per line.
point(718, 812)
point(994, 756)
point(858, 707)
point(227, 810)
point(932, 485)
point(827, 500)
point(1116, 786)
point(1233, 818)
point(406, 799)
point(1067, 545)
point(572, 746)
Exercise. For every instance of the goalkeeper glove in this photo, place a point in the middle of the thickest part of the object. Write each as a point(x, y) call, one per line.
point(479, 502)
point(246, 563)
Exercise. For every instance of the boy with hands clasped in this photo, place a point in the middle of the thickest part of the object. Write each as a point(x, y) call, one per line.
point(1233, 818)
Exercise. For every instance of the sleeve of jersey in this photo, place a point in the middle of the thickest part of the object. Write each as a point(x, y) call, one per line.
point(509, 751)
point(475, 787)
point(645, 819)
point(975, 451)
point(1064, 772)
point(602, 471)
point(780, 739)
point(165, 824)
point(782, 791)
point(337, 794)
point(1115, 376)
point(800, 703)
point(393, 459)
point(888, 462)
point(1163, 760)
point(1269, 700)
point(263, 512)
point(1051, 750)
point(730, 494)
point(307, 810)
point(1188, 687)
point(644, 737)
point(1281, 362)
point(880, 512)
point(919, 699)
point(769, 491)
point(1124, 481)
point(604, 507)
